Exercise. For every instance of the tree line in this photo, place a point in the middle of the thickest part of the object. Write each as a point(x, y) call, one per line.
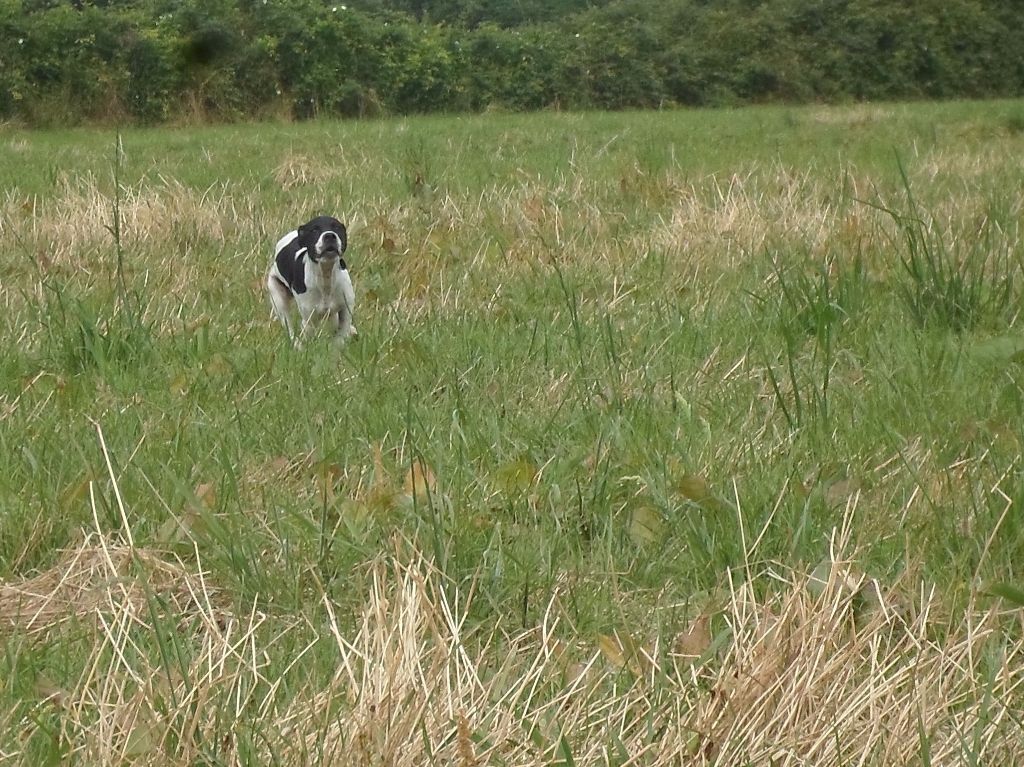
point(153, 61)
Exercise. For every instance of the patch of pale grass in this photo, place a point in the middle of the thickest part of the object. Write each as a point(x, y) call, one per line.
point(807, 680)
point(70, 237)
point(852, 116)
point(297, 170)
point(702, 227)
point(65, 231)
point(961, 168)
point(823, 669)
point(719, 223)
point(94, 577)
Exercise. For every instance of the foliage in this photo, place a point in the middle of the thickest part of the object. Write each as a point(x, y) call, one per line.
point(156, 60)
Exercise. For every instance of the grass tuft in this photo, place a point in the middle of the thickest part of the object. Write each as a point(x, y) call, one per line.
point(956, 279)
point(80, 334)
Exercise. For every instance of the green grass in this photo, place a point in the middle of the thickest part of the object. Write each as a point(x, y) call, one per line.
point(625, 345)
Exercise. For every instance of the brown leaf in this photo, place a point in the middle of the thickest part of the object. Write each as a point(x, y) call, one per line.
point(762, 668)
point(279, 465)
point(76, 490)
point(611, 650)
point(420, 482)
point(217, 365)
point(382, 495)
point(622, 651)
point(379, 477)
point(829, 575)
point(355, 512)
point(206, 494)
point(325, 477)
point(145, 736)
point(692, 643)
point(837, 493)
point(464, 742)
point(328, 472)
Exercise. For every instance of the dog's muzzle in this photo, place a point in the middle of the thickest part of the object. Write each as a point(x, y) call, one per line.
point(329, 245)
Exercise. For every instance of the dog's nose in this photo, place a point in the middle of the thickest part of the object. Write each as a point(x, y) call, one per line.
point(330, 239)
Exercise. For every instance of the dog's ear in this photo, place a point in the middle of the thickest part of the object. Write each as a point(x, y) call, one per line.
point(343, 234)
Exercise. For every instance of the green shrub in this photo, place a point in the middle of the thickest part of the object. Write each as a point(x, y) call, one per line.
point(154, 60)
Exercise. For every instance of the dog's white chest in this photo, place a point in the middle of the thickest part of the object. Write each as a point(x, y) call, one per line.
point(323, 289)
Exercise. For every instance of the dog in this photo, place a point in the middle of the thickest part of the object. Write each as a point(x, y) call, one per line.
point(309, 271)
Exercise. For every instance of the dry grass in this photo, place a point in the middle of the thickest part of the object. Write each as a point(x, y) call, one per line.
point(854, 116)
point(96, 577)
point(77, 219)
point(812, 680)
point(719, 223)
point(708, 226)
point(826, 669)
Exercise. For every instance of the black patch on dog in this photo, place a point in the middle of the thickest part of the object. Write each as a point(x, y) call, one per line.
point(291, 266)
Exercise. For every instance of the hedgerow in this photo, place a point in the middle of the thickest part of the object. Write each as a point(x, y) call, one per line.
point(154, 61)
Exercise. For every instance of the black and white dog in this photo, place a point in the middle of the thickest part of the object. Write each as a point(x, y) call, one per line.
point(308, 270)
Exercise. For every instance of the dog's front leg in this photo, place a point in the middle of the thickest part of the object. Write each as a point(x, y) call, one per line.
point(343, 327)
point(309, 326)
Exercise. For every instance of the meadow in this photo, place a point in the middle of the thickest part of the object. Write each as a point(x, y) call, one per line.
point(684, 437)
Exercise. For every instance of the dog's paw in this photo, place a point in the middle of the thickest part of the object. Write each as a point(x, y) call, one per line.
point(345, 334)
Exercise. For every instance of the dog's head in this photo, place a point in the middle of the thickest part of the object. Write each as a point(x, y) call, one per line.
point(323, 238)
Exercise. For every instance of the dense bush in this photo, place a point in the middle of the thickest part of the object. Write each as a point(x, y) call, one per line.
point(159, 60)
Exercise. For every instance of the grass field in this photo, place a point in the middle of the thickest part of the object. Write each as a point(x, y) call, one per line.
point(669, 438)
